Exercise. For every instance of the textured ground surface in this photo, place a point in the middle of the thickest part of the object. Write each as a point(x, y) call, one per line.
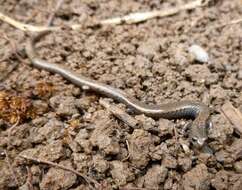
point(61, 123)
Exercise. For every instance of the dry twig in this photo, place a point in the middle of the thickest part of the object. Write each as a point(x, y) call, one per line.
point(140, 17)
point(119, 113)
point(127, 19)
point(232, 22)
point(52, 15)
point(22, 26)
point(128, 156)
point(85, 177)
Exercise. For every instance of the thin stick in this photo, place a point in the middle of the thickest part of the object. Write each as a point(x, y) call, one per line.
point(52, 15)
point(232, 22)
point(11, 168)
point(127, 19)
point(120, 114)
point(22, 26)
point(85, 177)
point(128, 156)
point(140, 17)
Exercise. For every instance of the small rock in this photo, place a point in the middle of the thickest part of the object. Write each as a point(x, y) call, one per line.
point(85, 102)
point(58, 178)
point(199, 53)
point(6, 181)
point(238, 166)
point(236, 149)
point(82, 134)
point(24, 187)
point(41, 106)
point(180, 55)
point(156, 153)
point(165, 127)
point(223, 157)
point(220, 133)
point(185, 163)
point(82, 161)
point(227, 180)
point(197, 178)
point(102, 136)
point(127, 48)
point(155, 176)
point(218, 94)
point(40, 121)
point(221, 180)
point(51, 152)
point(198, 73)
point(36, 173)
point(169, 161)
point(50, 131)
point(149, 48)
point(86, 145)
point(146, 123)
point(229, 82)
point(121, 173)
point(139, 143)
point(159, 68)
point(64, 105)
point(100, 164)
point(239, 76)
point(74, 146)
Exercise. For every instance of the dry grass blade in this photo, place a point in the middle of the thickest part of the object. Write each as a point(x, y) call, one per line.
point(127, 19)
point(22, 26)
point(232, 22)
point(85, 177)
point(140, 17)
point(120, 114)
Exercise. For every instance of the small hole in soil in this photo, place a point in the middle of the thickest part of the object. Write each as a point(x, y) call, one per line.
point(65, 17)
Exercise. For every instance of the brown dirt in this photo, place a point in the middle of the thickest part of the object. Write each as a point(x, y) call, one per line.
point(150, 61)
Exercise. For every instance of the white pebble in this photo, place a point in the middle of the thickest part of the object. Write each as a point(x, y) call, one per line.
point(199, 53)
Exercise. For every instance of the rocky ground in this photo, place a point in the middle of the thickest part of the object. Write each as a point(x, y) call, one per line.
point(44, 116)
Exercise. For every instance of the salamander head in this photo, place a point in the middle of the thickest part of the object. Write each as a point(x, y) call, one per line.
point(199, 132)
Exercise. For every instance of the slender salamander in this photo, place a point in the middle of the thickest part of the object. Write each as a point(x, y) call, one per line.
point(182, 109)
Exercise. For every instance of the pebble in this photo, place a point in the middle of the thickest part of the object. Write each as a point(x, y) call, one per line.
point(238, 167)
point(240, 74)
point(199, 53)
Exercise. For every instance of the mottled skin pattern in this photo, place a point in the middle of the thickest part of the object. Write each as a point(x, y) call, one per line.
point(182, 109)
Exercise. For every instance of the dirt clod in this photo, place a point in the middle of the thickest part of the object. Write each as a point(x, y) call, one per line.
point(197, 178)
point(121, 172)
point(54, 176)
point(155, 176)
point(139, 143)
